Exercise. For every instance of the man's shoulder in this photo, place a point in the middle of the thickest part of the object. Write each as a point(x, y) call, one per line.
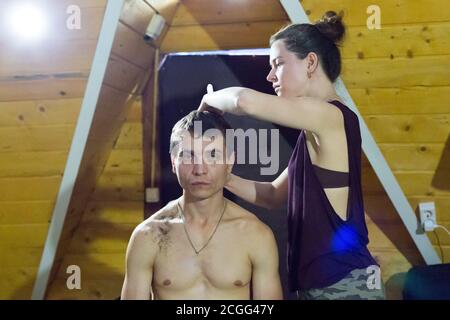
point(158, 221)
point(167, 214)
point(248, 222)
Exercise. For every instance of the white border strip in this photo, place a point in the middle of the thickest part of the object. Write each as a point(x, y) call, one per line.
point(297, 14)
point(94, 84)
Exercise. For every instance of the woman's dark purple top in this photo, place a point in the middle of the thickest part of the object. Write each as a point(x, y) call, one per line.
point(323, 248)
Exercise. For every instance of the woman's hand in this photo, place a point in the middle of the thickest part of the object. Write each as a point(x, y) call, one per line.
point(225, 100)
point(204, 106)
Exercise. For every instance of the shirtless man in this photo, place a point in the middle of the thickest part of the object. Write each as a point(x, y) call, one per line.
point(201, 246)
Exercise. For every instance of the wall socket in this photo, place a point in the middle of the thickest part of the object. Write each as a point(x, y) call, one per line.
point(427, 212)
point(151, 195)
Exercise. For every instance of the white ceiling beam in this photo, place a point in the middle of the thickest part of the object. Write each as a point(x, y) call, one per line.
point(88, 106)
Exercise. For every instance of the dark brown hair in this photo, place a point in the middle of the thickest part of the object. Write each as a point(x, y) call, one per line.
point(322, 38)
point(209, 120)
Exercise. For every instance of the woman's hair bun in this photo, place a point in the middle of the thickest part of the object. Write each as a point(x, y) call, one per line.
point(331, 26)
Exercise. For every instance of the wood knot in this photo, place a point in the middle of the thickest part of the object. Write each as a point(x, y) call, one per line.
point(97, 293)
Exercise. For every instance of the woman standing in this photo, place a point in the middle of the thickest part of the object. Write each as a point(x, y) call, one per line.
point(327, 235)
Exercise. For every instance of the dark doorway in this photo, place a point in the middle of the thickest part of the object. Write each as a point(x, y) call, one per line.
point(182, 83)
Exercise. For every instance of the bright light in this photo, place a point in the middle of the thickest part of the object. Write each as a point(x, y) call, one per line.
point(26, 22)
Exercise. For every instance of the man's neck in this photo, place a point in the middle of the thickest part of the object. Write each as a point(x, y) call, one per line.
point(203, 210)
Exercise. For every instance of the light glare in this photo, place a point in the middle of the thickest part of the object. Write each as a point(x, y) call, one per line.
point(27, 22)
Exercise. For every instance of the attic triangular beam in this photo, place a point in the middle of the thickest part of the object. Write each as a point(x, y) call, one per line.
point(297, 14)
point(85, 118)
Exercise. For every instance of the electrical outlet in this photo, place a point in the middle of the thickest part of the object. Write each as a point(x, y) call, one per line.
point(427, 212)
point(152, 195)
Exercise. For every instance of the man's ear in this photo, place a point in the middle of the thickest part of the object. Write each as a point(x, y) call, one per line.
point(172, 160)
point(230, 162)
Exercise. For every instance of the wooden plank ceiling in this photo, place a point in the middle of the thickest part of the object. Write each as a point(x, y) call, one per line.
point(41, 88)
point(397, 76)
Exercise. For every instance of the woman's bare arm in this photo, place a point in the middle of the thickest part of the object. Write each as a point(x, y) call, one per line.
point(269, 195)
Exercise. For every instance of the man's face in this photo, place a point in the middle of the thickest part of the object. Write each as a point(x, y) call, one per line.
point(201, 165)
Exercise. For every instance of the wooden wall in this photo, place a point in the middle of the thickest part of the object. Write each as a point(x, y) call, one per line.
point(99, 244)
point(99, 224)
point(39, 106)
point(398, 77)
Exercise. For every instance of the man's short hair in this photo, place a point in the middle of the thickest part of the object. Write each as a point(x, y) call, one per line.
point(209, 120)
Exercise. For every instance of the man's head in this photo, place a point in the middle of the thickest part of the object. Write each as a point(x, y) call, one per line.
point(201, 157)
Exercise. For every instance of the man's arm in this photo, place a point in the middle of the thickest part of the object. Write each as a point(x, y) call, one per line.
point(141, 253)
point(266, 284)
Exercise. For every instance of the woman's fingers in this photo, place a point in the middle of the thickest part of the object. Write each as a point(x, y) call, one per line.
point(203, 106)
point(213, 110)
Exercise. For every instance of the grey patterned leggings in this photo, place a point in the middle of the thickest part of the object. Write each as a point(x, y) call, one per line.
point(353, 287)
